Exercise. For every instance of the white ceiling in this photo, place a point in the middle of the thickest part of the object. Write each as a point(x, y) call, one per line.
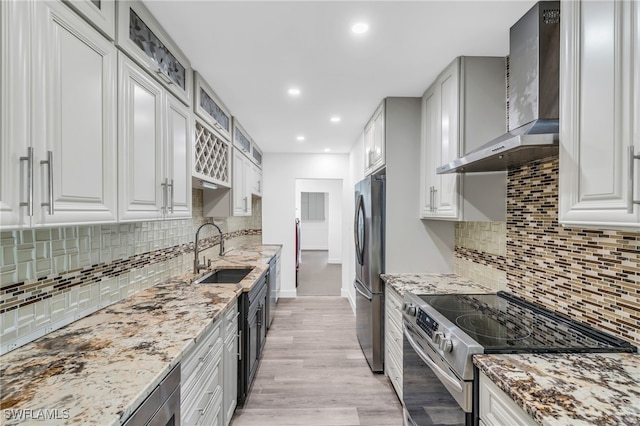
point(251, 52)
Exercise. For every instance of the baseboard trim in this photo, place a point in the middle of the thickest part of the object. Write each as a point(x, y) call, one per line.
point(289, 294)
point(345, 293)
point(336, 261)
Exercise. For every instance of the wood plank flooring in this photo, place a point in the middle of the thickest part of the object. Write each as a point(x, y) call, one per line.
point(317, 277)
point(313, 372)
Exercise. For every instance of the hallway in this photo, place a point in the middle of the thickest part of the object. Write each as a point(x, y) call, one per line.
point(314, 373)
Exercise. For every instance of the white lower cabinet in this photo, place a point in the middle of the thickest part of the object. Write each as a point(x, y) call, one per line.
point(497, 409)
point(57, 118)
point(209, 374)
point(155, 133)
point(600, 108)
point(393, 339)
point(230, 362)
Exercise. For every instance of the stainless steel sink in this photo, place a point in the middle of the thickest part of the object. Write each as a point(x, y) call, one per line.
point(224, 276)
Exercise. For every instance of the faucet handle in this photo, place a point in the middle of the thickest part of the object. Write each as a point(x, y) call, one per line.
point(208, 263)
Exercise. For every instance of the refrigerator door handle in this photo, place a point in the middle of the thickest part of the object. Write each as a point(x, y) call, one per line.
point(356, 235)
point(368, 294)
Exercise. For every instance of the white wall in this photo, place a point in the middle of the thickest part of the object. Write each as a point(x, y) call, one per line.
point(280, 172)
point(327, 234)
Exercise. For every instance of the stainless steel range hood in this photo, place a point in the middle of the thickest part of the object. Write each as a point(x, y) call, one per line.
point(534, 65)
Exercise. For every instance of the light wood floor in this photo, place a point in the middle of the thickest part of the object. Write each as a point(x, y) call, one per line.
point(313, 372)
point(316, 276)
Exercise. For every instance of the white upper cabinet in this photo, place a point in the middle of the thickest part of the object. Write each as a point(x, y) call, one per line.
point(144, 40)
point(242, 184)
point(101, 13)
point(241, 138)
point(58, 148)
point(374, 142)
point(210, 108)
point(154, 140)
point(179, 131)
point(600, 110)
point(211, 157)
point(463, 109)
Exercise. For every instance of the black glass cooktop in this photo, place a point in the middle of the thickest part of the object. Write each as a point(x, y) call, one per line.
point(503, 323)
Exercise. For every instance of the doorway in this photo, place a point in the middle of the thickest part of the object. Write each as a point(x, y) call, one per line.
point(319, 210)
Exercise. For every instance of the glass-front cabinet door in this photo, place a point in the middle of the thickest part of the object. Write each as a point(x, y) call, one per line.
point(142, 37)
point(210, 107)
point(241, 138)
point(100, 13)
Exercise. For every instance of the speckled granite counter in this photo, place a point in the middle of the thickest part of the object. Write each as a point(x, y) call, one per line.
point(99, 369)
point(433, 284)
point(570, 389)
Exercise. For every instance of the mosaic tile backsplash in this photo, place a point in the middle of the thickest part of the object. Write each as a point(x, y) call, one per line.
point(591, 275)
point(52, 277)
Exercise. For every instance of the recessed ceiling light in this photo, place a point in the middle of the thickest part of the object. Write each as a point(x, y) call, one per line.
point(335, 119)
point(300, 138)
point(327, 150)
point(360, 28)
point(294, 91)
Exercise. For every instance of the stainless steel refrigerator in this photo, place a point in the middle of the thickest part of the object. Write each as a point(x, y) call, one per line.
point(369, 243)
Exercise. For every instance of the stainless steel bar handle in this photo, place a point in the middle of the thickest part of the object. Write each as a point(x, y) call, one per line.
point(171, 197)
point(435, 199)
point(356, 285)
point(239, 344)
point(632, 157)
point(431, 198)
point(164, 195)
point(29, 159)
point(164, 77)
point(427, 360)
point(49, 163)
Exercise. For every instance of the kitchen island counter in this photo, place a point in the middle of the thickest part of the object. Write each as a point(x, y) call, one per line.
point(99, 369)
point(433, 284)
point(569, 389)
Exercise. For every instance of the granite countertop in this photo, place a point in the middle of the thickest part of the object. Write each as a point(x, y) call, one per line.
point(575, 389)
point(98, 369)
point(433, 284)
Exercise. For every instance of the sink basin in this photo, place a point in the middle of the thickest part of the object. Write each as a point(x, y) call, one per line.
point(224, 276)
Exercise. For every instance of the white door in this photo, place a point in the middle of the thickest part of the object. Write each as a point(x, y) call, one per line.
point(599, 108)
point(241, 184)
point(446, 150)
point(430, 137)
point(178, 150)
point(74, 125)
point(15, 120)
point(140, 157)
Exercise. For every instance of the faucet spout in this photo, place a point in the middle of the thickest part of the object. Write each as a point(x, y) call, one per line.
point(197, 266)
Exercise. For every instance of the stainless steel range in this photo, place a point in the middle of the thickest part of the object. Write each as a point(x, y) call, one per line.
point(443, 332)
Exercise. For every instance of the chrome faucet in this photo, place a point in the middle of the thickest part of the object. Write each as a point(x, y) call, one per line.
point(197, 266)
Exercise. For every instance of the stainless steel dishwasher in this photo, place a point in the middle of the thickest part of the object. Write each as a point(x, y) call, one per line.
point(162, 407)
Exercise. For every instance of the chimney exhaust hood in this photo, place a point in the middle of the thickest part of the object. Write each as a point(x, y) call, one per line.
point(533, 76)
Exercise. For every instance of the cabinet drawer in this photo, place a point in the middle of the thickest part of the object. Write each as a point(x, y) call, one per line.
point(198, 398)
point(212, 415)
point(198, 380)
point(231, 320)
point(200, 353)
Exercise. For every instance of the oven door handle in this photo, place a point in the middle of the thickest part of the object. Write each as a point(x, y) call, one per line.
point(427, 360)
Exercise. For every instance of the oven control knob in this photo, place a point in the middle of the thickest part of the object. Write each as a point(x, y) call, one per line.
point(410, 309)
point(446, 345)
point(437, 337)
